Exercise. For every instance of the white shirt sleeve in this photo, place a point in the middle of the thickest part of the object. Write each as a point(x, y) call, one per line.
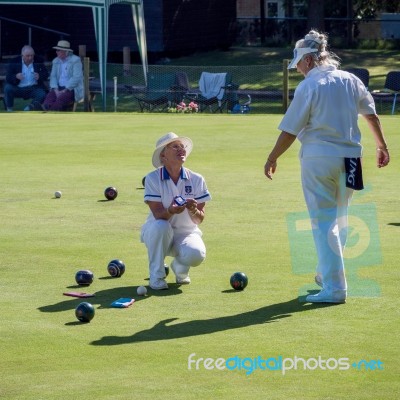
point(298, 113)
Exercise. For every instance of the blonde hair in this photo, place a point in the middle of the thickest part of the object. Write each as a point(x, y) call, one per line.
point(319, 41)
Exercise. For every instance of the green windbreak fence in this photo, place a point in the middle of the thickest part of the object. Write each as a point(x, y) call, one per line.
point(259, 88)
point(263, 89)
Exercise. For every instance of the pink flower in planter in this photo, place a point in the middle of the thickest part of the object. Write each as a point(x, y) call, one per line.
point(193, 107)
point(181, 107)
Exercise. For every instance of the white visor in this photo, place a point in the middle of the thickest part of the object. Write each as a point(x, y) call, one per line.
point(298, 54)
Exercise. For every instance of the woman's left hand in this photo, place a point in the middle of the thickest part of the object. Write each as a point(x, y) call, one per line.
point(382, 157)
point(269, 168)
point(191, 205)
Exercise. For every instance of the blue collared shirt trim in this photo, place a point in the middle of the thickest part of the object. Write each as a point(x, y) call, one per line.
point(153, 195)
point(184, 174)
point(202, 197)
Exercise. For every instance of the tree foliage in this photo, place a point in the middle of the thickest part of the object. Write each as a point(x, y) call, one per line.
point(371, 8)
point(362, 9)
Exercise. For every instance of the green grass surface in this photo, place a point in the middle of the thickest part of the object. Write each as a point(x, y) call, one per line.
point(142, 352)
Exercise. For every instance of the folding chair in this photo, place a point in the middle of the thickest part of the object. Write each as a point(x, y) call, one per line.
point(212, 93)
point(237, 101)
point(158, 95)
point(391, 89)
point(361, 73)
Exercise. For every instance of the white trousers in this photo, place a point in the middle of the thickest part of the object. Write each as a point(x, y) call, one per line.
point(327, 199)
point(161, 241)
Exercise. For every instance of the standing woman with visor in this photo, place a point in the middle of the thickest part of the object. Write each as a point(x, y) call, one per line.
point(323, 116)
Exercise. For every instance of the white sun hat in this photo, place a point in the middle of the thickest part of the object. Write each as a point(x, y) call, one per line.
point(166, 140)
point(298, 54)
point(63, 45)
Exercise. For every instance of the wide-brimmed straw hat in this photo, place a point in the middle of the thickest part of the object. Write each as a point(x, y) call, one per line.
point(166, 140)
point(63, 45)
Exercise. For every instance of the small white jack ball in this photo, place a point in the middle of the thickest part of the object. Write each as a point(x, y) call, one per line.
point(141, 291)
point(57, 194)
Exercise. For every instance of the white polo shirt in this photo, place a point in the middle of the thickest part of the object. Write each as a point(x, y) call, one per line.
point(64, 76)
point(161, 188)
point(324, 113)
point(29, 76)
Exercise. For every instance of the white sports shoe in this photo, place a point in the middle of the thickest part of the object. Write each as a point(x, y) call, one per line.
point(158, 284)
point(181, 280)
point(337, 296)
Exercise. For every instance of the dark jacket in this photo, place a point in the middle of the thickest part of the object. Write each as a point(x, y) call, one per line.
point(15, 66)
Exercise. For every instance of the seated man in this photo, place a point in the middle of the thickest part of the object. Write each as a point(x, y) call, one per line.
point(25, 78)
point(66, 79)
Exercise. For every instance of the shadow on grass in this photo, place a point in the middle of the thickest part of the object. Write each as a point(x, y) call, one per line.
point(104, 298)
point(168, 329)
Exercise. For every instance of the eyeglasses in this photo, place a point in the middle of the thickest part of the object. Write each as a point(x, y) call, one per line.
point(177, 147)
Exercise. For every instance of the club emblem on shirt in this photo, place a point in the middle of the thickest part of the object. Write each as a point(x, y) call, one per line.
point(188, 189)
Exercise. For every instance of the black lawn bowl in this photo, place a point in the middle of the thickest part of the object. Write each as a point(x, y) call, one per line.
point(111, 193)
point(116, 268)
point(84, 277)
point(239, 280)
point(84, 312)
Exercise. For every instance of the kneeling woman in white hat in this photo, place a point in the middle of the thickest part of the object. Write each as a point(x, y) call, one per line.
point(176, 197)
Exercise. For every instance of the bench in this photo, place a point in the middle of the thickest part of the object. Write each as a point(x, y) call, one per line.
point(74, 106)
